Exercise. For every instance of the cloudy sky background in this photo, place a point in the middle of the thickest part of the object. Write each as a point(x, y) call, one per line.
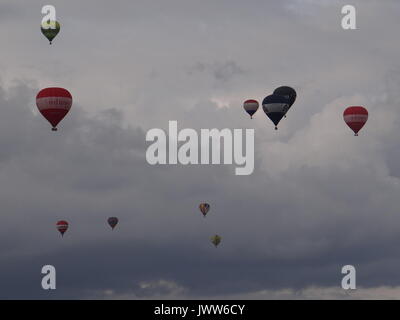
point(318, 199)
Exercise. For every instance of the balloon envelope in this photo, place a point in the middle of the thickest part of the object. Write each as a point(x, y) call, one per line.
point(287, 92)
point(275, 108)
point(112, 221)
point(54, 104)
point(251, 106)
point(204, 208)
point(216, 240)
point(50, 32)
point(355, 117)
point(62, 226)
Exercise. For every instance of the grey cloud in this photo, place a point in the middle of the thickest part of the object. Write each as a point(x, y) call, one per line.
point(221, 71)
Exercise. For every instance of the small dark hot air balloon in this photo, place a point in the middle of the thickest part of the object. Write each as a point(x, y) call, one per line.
point(355, 117)
point(112, 221)
point(204, 208)
point(251, 106)
point(62, 226)
point(54, 104)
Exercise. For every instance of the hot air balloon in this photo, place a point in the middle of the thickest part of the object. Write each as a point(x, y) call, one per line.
point(215, 240)
point(355, 117)
point(287, 92)
point(62, 226)
point(112, 221)
point(275, 107)
point(54, 104)
point(251, 106)
point(204, 208)
point(50, 29)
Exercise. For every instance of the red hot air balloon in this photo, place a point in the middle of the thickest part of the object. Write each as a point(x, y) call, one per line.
point(54, 104)
point(62, 226)
point(251, 106)
point(112, 221)
point(355, 118)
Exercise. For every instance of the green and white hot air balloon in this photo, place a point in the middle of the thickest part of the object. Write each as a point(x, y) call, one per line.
point(50, 29)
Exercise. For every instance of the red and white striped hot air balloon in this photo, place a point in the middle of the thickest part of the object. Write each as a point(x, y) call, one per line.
point(251, 106)
point(355, 118)
point(54, 104)
point(62, 226)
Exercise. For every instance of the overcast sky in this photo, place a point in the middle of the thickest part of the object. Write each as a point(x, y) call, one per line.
point(319, 197)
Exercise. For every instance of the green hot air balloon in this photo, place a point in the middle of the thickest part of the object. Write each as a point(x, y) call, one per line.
point(215, 240)
point(50, 29)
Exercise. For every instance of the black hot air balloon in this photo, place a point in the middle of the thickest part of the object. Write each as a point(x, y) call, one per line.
point(112, 221)
point(275, 107)
point(287, 92)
